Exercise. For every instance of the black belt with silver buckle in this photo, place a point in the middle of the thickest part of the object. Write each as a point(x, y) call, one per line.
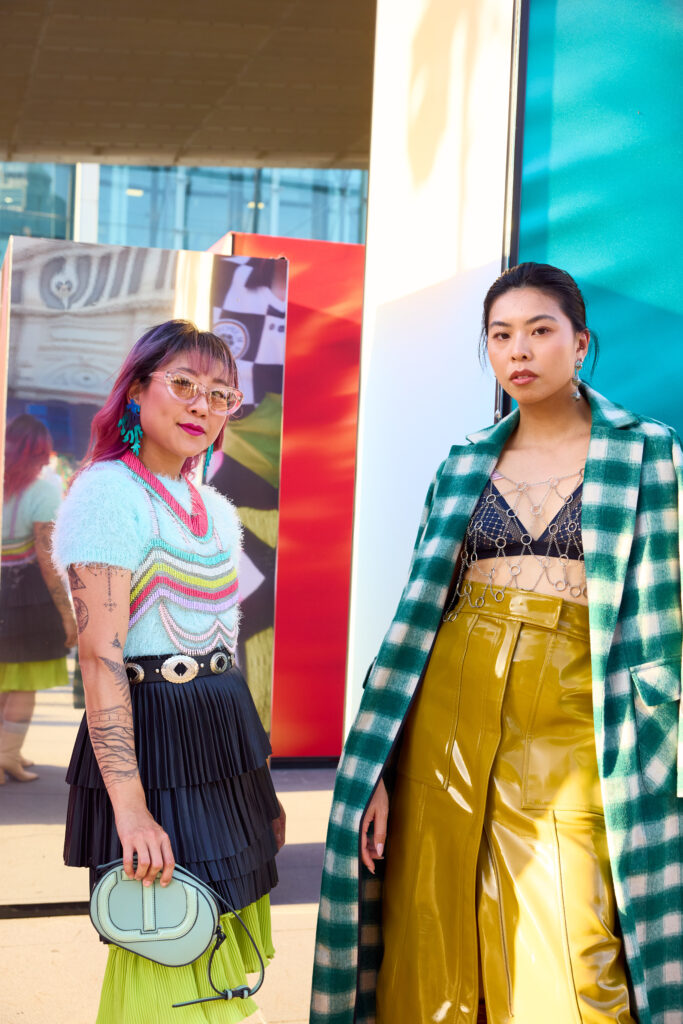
point(178, 668)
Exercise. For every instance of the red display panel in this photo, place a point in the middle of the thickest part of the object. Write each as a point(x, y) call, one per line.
point(322, 357)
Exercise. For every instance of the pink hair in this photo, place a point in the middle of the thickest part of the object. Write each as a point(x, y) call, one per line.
point(151, 351)
point(28, 446)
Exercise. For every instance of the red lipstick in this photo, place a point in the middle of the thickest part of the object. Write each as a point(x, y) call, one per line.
point(192, 428)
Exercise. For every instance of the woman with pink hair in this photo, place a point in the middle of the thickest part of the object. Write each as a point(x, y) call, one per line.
point(37, 623)
point(171, 760)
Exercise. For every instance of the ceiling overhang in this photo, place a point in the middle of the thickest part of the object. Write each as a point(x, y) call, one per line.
point(264, 83)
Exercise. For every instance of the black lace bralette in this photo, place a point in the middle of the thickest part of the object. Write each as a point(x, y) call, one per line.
point(494, 529)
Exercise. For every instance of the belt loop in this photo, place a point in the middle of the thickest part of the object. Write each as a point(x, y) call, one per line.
point(522, 607)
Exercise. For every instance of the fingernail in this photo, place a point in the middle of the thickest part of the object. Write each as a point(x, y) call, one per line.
point(380, 848)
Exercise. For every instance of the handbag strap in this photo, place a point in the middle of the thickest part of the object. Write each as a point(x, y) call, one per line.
point(241, 991)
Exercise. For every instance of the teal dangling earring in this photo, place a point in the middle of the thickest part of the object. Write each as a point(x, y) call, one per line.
point(207, 460)
point(130, 428)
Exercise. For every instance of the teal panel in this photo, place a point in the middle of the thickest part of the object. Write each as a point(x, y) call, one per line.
point(601, 182)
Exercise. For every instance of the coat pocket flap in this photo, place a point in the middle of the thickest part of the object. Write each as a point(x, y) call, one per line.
point(658, 682)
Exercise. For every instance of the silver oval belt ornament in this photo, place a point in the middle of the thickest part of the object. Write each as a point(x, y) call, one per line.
point(219, 662)
point(135, 672)
point(179, 669)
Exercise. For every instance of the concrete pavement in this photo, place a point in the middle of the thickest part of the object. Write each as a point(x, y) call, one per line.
point(52, 966)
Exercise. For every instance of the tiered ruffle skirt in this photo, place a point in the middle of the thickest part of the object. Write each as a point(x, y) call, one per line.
point(202, 753)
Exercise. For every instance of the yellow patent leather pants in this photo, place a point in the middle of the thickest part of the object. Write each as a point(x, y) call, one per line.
point(497, 867)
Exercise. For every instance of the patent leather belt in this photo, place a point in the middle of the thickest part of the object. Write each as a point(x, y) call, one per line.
point(178, 668)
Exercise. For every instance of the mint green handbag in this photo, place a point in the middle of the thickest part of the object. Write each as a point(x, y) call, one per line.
point(172, 925)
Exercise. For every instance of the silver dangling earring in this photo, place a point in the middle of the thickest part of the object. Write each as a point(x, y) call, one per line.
point(576, 394)
point(498, 413)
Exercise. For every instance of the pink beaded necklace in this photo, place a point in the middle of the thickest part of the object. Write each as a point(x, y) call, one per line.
point(197, 521)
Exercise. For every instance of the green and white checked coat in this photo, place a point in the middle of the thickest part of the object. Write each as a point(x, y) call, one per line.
point(632, 525)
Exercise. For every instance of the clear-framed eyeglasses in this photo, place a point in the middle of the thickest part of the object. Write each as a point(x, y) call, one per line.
point(220, 398)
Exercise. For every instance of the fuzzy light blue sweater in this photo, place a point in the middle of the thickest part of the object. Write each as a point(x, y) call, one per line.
point(183, 587)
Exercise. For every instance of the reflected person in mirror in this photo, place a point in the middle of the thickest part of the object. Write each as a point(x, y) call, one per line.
point(37, 624)
point(171, 761)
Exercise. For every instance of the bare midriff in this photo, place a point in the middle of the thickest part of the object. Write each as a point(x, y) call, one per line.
point(533, 576)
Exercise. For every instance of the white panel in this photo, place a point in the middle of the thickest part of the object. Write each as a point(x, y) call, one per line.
point(435, 230)
point(86, 203)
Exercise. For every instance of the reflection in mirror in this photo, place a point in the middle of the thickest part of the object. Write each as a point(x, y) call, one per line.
point(37, 630)
point(76, 310)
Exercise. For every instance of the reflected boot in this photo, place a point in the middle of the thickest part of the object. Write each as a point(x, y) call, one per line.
point(11, 740)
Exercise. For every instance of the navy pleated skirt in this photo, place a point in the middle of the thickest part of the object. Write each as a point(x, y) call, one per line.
point(202, 754)
point(30, 625)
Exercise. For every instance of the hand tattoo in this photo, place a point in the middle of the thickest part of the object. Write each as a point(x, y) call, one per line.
point(113, 741)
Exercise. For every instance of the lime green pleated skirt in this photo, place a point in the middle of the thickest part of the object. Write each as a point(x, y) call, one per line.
point(137, 991)
point(33, 675)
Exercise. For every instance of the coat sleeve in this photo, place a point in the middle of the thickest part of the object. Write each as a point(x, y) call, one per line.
point(677, 455)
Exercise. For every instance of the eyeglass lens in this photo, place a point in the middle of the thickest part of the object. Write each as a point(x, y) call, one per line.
point(218, 399)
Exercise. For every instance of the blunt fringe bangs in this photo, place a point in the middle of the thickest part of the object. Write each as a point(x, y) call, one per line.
point(150, 352)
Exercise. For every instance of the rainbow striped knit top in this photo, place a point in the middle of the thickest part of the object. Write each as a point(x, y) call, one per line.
point(38, 503)
point(181, 544)
point(19, 552)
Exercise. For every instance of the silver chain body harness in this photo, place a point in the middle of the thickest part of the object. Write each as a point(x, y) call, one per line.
point(496, 531)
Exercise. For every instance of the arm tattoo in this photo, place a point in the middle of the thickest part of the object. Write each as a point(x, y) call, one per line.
point(82, 616)
point(96, 569)
point(117, 643)
point(113, 740)
point(118, 670)
point(75, 581)
point(42, 533)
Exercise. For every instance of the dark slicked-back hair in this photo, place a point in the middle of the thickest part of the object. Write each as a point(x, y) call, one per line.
point(556, 283)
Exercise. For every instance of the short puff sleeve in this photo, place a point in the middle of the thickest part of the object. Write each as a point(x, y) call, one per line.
point(44, 498)
point(104, 518)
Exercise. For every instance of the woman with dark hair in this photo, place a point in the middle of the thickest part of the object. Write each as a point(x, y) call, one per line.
point(516, 745)
point(171, 761)
point(37, 623)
